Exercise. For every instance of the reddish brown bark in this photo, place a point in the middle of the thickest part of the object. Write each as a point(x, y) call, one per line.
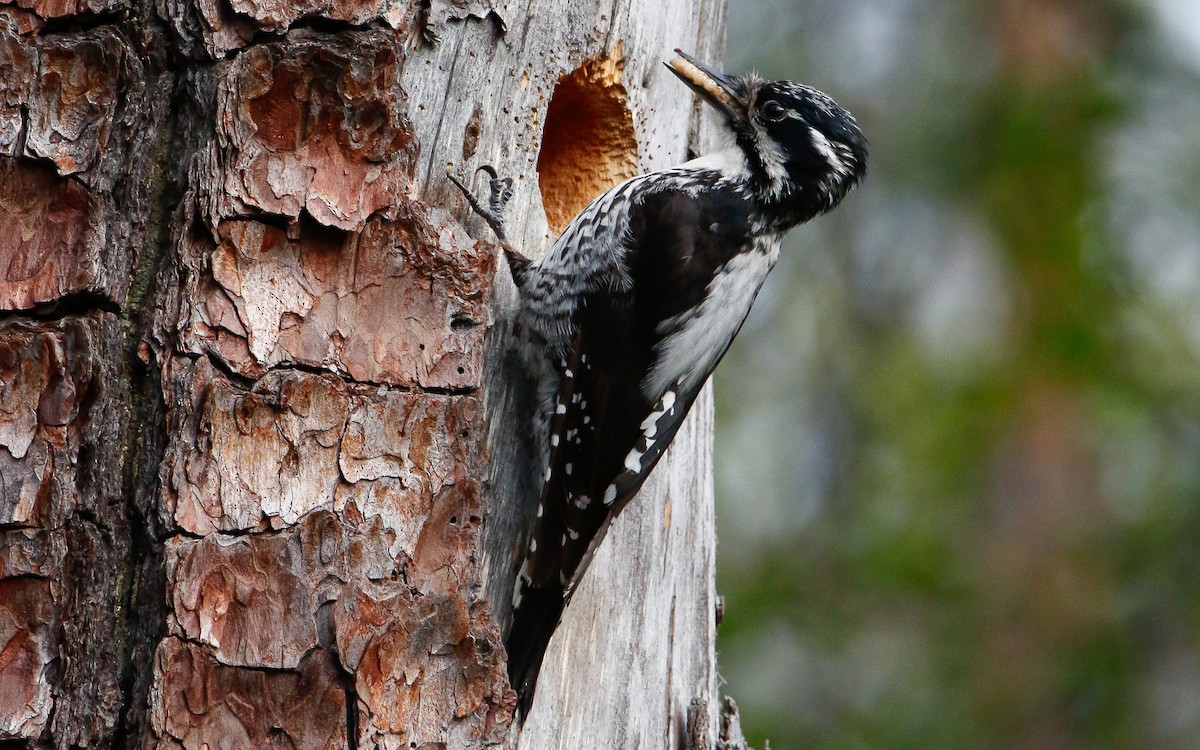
point(243, 448)
point(291, 430)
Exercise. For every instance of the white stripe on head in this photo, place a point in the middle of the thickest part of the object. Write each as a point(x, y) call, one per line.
point(827, 150)
point(774, 160)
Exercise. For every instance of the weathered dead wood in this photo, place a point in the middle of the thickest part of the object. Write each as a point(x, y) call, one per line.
point(640, 630)
point(261, 466)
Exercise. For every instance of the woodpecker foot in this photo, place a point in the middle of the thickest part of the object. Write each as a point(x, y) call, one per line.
point(500, 192)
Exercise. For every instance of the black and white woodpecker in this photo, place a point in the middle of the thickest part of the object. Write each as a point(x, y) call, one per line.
point(625, 317)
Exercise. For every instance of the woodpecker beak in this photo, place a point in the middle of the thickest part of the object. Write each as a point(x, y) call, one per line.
point(723, 92)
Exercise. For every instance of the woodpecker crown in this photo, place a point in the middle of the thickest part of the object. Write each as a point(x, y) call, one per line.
point(819, 140)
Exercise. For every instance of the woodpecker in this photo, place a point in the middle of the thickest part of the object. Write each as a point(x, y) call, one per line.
point(625, 317)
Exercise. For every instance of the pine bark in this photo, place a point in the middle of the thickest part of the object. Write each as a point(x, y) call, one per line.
point(262, 479)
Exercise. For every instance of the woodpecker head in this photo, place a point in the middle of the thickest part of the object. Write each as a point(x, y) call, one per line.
point(802, 151)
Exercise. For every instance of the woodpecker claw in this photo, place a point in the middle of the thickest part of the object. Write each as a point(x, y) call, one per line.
point(500, 192)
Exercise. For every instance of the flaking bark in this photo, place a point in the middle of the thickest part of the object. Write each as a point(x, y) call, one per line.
point(262, 480)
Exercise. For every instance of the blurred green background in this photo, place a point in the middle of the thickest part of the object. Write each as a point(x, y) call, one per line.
point(959, 437)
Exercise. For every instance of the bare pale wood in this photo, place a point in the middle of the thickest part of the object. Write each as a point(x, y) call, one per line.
point(636, 646)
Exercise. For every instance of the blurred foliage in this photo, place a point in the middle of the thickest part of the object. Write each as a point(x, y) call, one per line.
point(959, 438)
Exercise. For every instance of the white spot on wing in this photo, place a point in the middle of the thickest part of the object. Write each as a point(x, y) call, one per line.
point(633, 461)
point(610, 494)
point(650, 423)
point(523, 580)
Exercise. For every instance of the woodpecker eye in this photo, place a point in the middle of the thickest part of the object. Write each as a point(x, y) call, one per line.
point(774, 111)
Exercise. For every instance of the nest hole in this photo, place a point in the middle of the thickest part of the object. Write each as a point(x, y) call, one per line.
point(588, 142)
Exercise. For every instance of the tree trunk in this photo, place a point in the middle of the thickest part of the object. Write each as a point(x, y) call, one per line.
point(261, 459)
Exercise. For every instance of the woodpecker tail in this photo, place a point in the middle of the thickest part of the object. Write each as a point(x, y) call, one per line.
point(534, 621)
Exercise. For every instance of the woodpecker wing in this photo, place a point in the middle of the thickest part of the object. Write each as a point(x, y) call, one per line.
point(605, 438)
point(619, 403)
